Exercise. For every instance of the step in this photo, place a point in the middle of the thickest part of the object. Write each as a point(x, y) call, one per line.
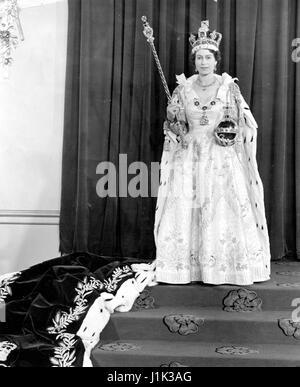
point(277, 294)
point(218, 325)
point(156, 353)
point(273, 297)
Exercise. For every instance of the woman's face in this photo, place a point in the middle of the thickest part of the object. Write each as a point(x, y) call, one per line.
point(205, 62)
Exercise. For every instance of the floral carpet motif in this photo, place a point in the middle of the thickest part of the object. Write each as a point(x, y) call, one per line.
point(242, 300)
point(236, 351)
point(290, 328)
point(183, 324)
point(173, 364)
point(144, 301)
point(119, 347)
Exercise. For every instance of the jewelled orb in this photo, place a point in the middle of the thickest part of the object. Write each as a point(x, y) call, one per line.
point(226, 133)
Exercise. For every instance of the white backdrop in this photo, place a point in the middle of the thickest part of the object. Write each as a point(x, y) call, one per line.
point(31, 130)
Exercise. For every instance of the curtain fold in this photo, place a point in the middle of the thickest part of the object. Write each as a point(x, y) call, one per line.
point(295, 176)
point(115, 105)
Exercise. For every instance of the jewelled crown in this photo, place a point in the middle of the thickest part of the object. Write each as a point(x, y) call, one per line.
point(205, 40)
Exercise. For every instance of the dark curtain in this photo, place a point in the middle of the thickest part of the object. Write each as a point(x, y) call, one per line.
point(115, 105)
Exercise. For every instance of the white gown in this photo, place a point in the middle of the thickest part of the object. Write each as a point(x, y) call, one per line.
point(210, 223)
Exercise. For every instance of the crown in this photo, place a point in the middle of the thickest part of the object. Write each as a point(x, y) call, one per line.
point(206, 40)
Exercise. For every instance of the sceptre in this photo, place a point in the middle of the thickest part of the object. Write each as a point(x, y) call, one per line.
point(177, 127)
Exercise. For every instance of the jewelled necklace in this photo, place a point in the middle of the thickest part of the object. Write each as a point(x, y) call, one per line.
point(204, 119)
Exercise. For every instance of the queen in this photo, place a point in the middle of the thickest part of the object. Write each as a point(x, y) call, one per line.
point(210, 223)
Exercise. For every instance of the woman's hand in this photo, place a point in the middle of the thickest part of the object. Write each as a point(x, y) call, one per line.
point(172, 110)
point(175, 110)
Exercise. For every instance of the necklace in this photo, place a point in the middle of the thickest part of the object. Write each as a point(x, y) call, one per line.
point(204, 87)
point(204, 119)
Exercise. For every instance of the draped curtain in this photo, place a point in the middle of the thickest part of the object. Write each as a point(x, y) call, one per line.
point(115, 105)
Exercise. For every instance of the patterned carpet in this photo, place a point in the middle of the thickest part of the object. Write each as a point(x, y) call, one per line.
point(217, 326)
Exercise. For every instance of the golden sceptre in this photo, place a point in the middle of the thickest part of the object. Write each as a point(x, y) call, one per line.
point(177, 127)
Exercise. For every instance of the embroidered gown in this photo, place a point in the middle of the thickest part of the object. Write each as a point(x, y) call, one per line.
point(210, 223)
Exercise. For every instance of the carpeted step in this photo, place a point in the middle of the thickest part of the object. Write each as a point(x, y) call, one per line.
point(157, 353)
point(210, 325)
point(276, 294)
point(186, 325)
point(273, 296)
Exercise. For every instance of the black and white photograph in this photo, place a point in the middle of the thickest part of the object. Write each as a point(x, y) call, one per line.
point(150, 186)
